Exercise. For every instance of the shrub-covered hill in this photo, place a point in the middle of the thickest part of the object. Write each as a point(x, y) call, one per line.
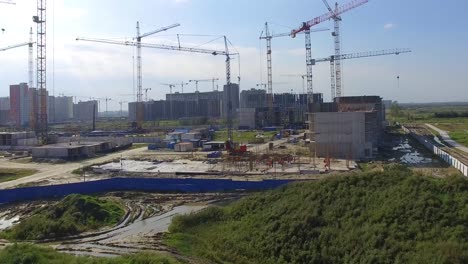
point(72, 215)
point(392, 216)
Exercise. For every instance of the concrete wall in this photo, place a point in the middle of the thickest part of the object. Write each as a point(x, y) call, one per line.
point(247, 118)
point(342, 135)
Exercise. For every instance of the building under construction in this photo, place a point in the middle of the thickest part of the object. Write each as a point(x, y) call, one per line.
point(187, 105)
point(289, 110)
point(349, 127)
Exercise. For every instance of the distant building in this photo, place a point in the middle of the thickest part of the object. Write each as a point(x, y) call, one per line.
point(253, 98)
point(63, 108)
point(187, 105)
point(51, 109)
point(230, 99)
point(83, 111)
point(19, 104)
point(288, 109)
point(5, 110)
point(33, 107)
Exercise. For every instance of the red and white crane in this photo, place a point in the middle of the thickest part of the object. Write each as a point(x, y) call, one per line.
point(268, 36)
point(305, 27)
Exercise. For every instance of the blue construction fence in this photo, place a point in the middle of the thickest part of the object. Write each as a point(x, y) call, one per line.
point(136, 184)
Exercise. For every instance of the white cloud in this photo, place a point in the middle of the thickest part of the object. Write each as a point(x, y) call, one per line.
point(389, 26)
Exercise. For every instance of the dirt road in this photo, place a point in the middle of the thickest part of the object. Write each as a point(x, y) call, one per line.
point(62, 173)
point(445, 136)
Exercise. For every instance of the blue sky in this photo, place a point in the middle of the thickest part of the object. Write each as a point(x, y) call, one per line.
point(433, 72)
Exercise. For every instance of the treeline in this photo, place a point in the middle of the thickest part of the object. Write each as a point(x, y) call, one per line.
point(450, 114)
point(394, 216)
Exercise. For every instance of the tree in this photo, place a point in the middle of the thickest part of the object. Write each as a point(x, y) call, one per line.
point(395, 109)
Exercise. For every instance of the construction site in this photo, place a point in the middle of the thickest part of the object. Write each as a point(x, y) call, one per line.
point(202, 133)
point(232, 136)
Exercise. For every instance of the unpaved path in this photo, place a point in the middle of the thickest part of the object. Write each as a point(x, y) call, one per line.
point(62, 173)
point(445, 136)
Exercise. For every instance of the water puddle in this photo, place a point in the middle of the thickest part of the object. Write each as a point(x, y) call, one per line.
point(8, 222)
point(411, 156)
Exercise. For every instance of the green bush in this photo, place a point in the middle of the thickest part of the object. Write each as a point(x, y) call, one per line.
point(30, 254)
point(394, 216)
point(73, 215)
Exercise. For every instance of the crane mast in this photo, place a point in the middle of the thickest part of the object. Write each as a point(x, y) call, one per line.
point(335, 66)
point(139, 60)
point(269, 74)
point(30, 58)
point(228, 87)
point(268, 37)
point(337, 39)
point(40, 20)
point(139, 78)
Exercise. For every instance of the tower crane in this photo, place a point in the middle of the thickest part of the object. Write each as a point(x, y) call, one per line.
point(30, 44)
point(175, 48)
point(170, 97)
point(303, 76)
point(268, 37)
point(14, 46)
point(106, 99)
point(305, 27)
point(212, 80)
point(138, 46)
point(333, 59)
point(181, 84)
point(146, 93)
point(121, 103)
point(336, 75)
point(41, 68)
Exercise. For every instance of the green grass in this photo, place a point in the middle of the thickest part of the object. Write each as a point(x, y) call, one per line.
point(72, 215)
point(138, 145)
point(32, 254)
point(460, 136)
point(389, 216)
point(14, 174)
point(243, 136)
